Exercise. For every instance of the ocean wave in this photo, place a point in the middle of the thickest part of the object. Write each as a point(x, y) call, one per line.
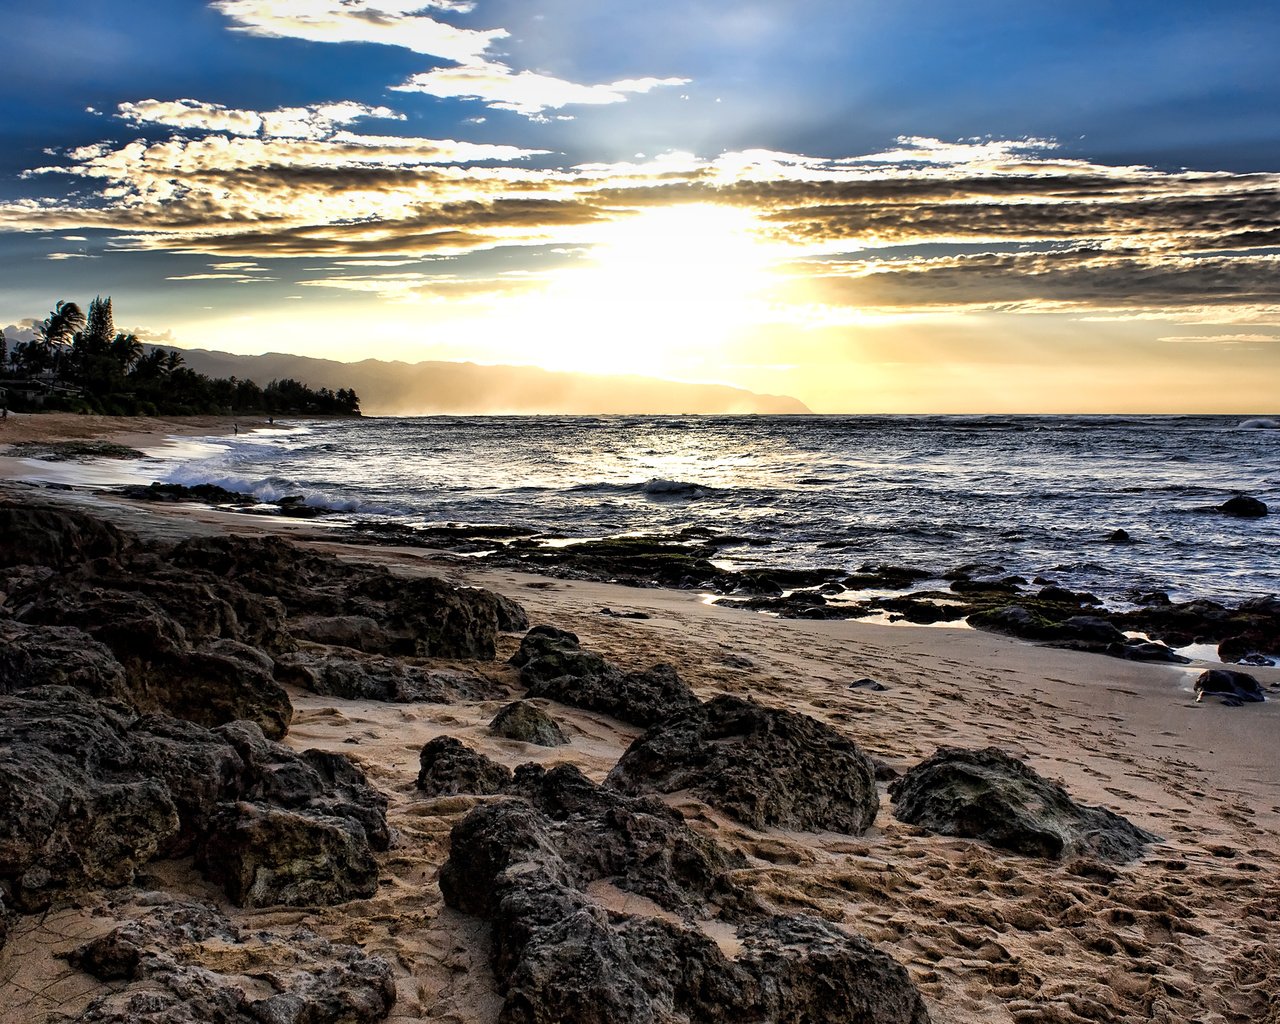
point(272, 489)
point(1259, 423)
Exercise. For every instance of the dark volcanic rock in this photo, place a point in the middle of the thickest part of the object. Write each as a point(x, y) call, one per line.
point(35, 535)
point(1242, 506)
point(181, 961)
point(358, 632)
point(448, 767)
point(351, 675)
point(1237, 687)
point(32, 656)
point(528, 723)
point(160, 629)
point(74, 811)
point(553, 665)
point(986, 794)
point(206, 494)
point(264, 856)
point(89, 792)
point(526, 864)
point(421, 616)
point(763, 766)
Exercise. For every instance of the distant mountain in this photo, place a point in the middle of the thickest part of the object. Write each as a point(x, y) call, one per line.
point(410, 389)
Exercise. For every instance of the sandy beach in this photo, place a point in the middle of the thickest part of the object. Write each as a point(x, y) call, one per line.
point(1188, 932)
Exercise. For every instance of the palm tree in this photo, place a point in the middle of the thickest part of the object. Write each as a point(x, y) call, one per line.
point(57, 329)
point(172, 361)
point(126, 349)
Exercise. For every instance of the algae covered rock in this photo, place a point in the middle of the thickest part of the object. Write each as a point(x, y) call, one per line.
point(528, 723)
point(988, 795)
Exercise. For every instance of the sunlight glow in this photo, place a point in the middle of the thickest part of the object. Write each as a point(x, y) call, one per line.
point(664, 293)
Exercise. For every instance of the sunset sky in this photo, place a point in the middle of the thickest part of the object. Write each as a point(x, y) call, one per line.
point(924, 205)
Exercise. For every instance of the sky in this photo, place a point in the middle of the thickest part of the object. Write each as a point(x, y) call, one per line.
point(923, 206)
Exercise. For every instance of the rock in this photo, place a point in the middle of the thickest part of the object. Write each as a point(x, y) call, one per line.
point(205, 494)
point(447, 768)
point(1239, 686)
point(264, 856)
point(868, 684)
point(159, 638)
point(177, 961)
point(419, 615)
point(32, 656)
point(1133, 649)
point(358, 632)
point(1244, 507)
point(512, 617)
point(56, 537)
point(1119, 537)
point(528, 723)
point(885, 577)
point(763, 766)
point(1093, 629)
point(526, 866)
point(345, 673)
point(554, 666)
point(988, 795)
point(75, 813)
point(89, 792)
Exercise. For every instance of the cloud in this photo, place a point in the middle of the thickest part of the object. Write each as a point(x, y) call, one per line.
point(525, 92)
point(400, 23)
point(991, 224)
point(70, 256)
point(313, 122)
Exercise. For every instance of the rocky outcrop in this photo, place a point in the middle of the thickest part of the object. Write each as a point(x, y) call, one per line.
point(447, 767)
point(351, 675)
point(90, 792)
point(988, 795)
point(176, 960)
point(55, 537)
point(263, 856)
point(1234, 688)
point(763, 766)
point(553, 665)
point(32, 656)
point(421, 616)
point(526, 865)
point(528, 723)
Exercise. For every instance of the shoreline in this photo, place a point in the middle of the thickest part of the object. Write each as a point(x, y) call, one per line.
point(986, 935)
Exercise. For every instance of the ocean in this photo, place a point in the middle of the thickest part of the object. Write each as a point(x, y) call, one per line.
point(1037, 495)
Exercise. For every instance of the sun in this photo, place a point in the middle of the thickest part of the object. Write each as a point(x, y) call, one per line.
point(663, 292)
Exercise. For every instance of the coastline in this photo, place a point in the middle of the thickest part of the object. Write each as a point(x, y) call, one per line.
point(985, 935)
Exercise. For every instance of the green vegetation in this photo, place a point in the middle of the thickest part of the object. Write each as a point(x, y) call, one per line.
point(78, 362)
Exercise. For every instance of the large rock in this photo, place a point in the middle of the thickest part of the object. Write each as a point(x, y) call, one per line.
point(32, 656)
point(988, 795)
point(75, 812)
point(1242, 506)
point(264, 856)
point(174, 641)
point(553, 665)
point(763, 766)
point(352, 675)
point(419, 615)
point(1234, 687)
point(528, 723)
point(179, 961)
point(447, 767)
point(36, 535)
point(90, 792)
point(527, 866)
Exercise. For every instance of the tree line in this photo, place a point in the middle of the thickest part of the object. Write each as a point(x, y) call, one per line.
point(79, 362)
